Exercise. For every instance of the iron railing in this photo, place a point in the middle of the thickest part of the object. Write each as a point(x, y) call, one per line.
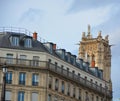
point(15, 30)
point(56, 69)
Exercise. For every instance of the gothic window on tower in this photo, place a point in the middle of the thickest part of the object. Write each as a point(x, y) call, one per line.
point(88, 58)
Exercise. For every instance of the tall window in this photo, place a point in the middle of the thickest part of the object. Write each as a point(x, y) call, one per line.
point(56, 84)
point(55, 99)
point(50, 81)
point(97, 98)
point(14, 41)
point(92, 97)
point(63, 87)
point(9, 77)
point(22, 59)
point(21, 96)
point(35, 79)
point(9, 58)
point(8, 96)
point(35, 60)
point(74, 90)
point(22, 78)
point(28, 42)
point(86, 98)
point(49, 97)
point(68, 89)
point(34, 96)
point(79, 96)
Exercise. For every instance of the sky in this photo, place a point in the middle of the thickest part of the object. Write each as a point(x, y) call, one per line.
point(63, 21)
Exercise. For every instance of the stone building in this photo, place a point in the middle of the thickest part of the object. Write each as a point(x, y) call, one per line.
point(39, 71)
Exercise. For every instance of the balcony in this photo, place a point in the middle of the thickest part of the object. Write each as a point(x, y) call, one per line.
point(9, 81)
point(58, 70)
point(22, 82)
point(35, 83)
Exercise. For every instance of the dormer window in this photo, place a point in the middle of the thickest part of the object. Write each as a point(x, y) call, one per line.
point(14, 40)
point(28, 42)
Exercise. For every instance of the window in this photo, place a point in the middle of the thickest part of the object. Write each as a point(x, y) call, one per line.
point(35, 79)
point(22, 78)
point(49, 97)
point(7, 95)
point(79, 94)
point(9, 59)
point(34, 96)
point(86, 98)
point(92, 97)
point(101, 99)
point(20, 96)
point(55, 65)
point(14, 41)
point(22, 59)
point(55, 99)
point(97, 99)
point(56, 84)
point(74, 90)
point(68, 89)
point(28, 42)
point(50, 81)
point(63, 87)
point(79, 74)
point(9, 77)
point(35, 60)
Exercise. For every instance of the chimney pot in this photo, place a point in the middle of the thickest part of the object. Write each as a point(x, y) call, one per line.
point(35, 36)
point(54, 46)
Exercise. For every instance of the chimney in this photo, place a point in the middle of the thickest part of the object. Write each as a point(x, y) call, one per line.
point(54, 46)
point(35, 36)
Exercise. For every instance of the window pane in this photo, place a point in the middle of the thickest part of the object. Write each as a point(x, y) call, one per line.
point(34, 96)
point(20, 96)
point(49, 97)
point(35, 79)
point(56, 84)
point(22, 59)
point(15, 41)
point(8, 95)
point(63, 87)
point(22, 78)
point(28, 42)
point(9, 77)
point(35, 60)
point(9, 58)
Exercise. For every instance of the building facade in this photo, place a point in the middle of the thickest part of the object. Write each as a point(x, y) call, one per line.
point(40, 72)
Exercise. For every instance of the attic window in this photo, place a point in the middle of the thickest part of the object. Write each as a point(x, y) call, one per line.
point(28, 43)
point(14, 41)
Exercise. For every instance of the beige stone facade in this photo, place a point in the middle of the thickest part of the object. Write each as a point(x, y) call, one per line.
point(52, 78)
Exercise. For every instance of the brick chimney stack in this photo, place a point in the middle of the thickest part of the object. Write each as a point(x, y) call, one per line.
point(35, 36)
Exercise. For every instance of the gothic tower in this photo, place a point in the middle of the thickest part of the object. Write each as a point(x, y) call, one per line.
point(97, 52)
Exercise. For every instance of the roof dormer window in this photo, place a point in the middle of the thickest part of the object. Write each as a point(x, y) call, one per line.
point(28, 42)
point(14, 40)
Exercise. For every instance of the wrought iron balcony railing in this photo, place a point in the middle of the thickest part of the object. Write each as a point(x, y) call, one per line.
point(22, 82)
point(9, 81)
point(35, 83)
point(52, 67)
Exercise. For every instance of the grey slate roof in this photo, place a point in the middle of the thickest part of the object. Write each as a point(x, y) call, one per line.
point(36, 45)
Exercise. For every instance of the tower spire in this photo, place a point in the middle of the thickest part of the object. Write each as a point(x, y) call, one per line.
point(88, 29)
point(89, 32)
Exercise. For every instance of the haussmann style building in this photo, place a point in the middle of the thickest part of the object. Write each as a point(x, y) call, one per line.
point(38, 71)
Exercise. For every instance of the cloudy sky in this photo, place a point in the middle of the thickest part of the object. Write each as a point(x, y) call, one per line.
point(63, 21)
